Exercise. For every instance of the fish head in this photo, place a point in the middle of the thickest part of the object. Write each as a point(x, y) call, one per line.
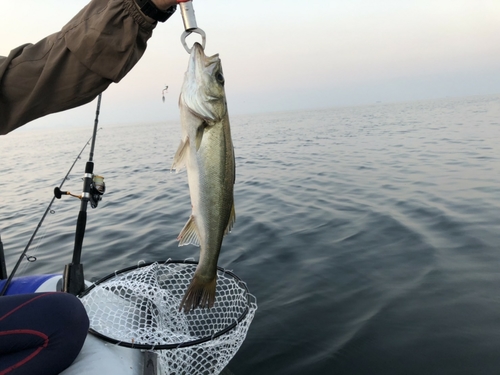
point(203, 88)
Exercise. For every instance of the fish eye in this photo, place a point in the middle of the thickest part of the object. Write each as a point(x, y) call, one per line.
point(219, 77)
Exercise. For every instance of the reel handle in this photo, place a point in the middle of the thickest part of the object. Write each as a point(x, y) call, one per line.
point(58, 193)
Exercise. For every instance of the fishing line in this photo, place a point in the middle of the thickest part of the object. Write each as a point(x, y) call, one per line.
point(23, 254)
point(31, 257)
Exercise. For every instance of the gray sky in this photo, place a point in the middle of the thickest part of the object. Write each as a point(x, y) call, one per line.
point(282, 55)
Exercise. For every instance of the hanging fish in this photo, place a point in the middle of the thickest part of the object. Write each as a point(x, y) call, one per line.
point(206, 150)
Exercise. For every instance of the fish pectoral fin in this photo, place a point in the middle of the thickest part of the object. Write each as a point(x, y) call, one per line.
point(199, 134)
point(180, 156)
point(232, 219)
point(189, 234)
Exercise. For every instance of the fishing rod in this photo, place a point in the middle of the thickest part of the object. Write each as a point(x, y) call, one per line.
point(93, 188)
point(57, 194)
point(3, 267)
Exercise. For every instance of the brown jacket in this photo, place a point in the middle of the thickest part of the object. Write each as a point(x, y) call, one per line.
point(70, 68)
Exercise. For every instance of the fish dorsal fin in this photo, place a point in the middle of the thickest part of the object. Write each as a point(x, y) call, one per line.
point(189, 234)
point(180, 156)
point(232, 219)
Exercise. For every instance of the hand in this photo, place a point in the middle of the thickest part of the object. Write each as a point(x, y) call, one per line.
point(164, 4)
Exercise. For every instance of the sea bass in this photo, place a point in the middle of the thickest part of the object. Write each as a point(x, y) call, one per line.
point(206, 150)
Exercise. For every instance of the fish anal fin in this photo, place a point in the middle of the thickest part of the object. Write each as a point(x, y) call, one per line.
point(200, 293)
point(232, 219)
point(180, 156)
point(189, 234)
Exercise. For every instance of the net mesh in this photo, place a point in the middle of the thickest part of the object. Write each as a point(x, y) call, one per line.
point(140, 308)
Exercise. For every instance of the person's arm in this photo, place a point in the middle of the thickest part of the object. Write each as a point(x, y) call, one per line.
point(70, 68)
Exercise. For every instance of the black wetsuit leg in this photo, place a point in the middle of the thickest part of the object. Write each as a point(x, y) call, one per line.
point(40, 333)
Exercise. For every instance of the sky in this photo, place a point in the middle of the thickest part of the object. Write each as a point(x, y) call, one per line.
point(289, 55)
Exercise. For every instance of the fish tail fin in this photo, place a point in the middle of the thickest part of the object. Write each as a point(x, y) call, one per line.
point(199, 294)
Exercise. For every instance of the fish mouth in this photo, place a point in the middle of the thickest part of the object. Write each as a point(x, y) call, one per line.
point(198, 57)
point(197, 54)
point(197, 47)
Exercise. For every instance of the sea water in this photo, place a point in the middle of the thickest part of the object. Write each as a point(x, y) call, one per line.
point(369, 235)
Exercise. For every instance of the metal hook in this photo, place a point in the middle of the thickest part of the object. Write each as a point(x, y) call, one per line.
point(186, 33)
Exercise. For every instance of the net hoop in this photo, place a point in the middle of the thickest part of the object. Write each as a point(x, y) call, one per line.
point(250, 305)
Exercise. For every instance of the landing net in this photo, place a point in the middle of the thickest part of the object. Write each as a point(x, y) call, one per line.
point(138, 307)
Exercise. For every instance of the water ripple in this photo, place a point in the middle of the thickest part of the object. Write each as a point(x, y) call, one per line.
point(368, 234)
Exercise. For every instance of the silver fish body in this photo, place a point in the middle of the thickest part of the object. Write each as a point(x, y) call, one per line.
point(206, 150)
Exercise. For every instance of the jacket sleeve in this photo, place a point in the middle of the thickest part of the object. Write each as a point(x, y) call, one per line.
point(70, 68)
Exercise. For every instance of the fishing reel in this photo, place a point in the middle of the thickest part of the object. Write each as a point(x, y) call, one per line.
point(96, 191)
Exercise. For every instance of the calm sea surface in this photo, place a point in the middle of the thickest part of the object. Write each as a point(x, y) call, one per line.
point(369, 235)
